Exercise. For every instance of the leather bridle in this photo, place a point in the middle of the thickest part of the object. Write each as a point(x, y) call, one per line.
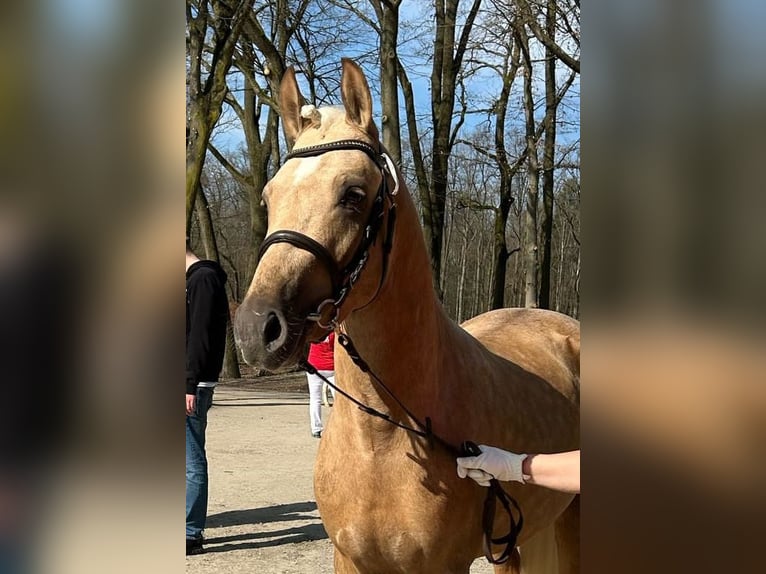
point(343, 280)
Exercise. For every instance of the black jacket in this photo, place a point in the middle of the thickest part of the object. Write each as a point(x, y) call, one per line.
point(207, 311)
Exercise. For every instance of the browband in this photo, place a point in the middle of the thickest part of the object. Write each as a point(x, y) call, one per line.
point(340, 145)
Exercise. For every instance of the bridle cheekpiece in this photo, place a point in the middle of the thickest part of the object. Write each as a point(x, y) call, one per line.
point(343, 280)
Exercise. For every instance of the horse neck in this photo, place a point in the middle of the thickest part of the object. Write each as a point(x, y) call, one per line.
point(401, 333)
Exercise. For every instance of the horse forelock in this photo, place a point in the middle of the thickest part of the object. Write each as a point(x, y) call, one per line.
point(321, 122)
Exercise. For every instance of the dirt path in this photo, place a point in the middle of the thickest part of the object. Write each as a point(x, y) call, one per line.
point(262, 517)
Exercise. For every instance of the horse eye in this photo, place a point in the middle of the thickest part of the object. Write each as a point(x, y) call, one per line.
point(352, 197)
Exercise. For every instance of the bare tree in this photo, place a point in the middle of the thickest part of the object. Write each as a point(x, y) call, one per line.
point(530, 9)
point(479, 208)
point(387, 12)
point(447, 64)
point(262, 59)
point(531, 257)
point(549, 149)
point(207, 78)
point(500, 52)
point(567, 224)
point(205, 98)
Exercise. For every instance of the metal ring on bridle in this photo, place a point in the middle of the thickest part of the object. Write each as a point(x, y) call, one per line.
point(316, 316)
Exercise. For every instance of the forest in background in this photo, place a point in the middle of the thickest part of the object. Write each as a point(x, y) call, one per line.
point(478, 101)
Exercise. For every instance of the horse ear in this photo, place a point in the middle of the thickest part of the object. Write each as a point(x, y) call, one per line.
point(356, 97)
point(290, 102)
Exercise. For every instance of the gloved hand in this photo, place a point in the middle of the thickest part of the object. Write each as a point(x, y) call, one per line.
point(491, 463)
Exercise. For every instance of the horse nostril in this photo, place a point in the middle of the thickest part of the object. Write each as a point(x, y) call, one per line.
point(272, 329)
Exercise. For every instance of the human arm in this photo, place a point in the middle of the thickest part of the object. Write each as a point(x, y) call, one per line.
point(560, 471)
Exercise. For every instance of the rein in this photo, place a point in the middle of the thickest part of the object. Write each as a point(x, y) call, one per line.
point(495, 492)
point(343, 280)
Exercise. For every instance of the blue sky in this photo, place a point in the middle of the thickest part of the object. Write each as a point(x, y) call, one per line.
point(415, 41)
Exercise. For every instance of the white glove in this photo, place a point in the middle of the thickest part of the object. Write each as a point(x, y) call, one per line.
point(492, 463)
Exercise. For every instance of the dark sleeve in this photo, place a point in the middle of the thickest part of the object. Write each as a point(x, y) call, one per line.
point(203, 294)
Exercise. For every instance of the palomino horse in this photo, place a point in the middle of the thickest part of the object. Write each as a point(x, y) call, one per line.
point(391, 500)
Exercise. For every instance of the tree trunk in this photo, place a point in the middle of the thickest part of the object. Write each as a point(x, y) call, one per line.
point(576, 290)
point(196, 146)
point(461, 282)
point(205, 220)
point(205, 97)
point(447, 62)
point(477, 276)
point(560, 276)
point(388, 17)
point(500, 257)
point(500, 246)
point(421, 175)
point(548, 159)
point(207, 233)
point(531, 257)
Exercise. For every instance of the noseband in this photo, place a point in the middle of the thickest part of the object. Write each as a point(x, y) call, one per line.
point(343, 280)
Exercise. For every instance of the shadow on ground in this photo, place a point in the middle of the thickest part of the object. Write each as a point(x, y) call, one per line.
point(276, 513)
point(298, 511)
point(256, 404)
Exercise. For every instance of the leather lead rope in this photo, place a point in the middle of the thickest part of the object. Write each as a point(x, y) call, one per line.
point(495, 492)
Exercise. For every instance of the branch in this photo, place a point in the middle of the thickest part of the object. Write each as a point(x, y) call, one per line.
point(298, 17)
point(412, 129)
point(546, 40)
point(461, 121)
point(250, 79)
point(571, 227)
point(346, 5)
point(255, 32)
point(570, 30)
point(235, 173)
point(470, 203)
point(225, 41)
point(477, 149)
point(235, 105)
point(464, 34)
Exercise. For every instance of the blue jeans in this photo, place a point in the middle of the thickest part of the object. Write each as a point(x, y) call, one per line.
point(196, 465)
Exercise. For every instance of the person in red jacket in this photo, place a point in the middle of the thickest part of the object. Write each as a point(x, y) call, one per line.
point(321, 356)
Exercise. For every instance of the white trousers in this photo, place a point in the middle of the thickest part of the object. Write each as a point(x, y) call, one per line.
point(315, 398)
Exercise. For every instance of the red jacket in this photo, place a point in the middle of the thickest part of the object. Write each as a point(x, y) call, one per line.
point(321, 354)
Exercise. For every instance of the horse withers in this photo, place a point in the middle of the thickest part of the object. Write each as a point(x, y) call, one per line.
point(335, 257)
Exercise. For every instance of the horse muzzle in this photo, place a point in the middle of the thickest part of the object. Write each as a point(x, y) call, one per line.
point(268, 337)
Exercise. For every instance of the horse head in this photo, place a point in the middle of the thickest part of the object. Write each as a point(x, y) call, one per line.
point(321, 257)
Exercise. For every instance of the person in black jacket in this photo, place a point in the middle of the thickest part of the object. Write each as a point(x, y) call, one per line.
point(207, 313)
